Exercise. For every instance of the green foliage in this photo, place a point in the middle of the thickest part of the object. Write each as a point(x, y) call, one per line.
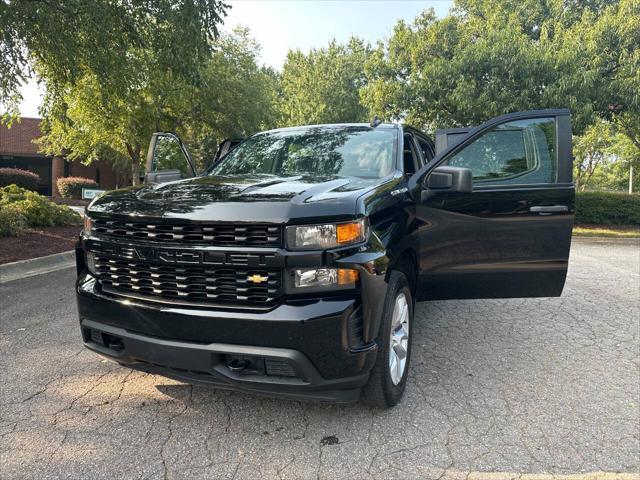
point(36, 209)
point(603, 156)
point(606, 208)
point(65, 41)
point(19, 177)
point(237, 99)
point(12, 222)
point(71, 187)
point(323, 85)
point(491, 57)
point(233, 97)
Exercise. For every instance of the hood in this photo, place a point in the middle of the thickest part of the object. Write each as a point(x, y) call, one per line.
point(262, 198)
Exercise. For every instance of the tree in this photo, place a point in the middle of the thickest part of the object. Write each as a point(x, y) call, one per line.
point(491, 57)
point(238, 97)
point(590, 151)
point(113, 71)
point(604, 158)
point(323, 85)
point(233, 97)
point(64, 41)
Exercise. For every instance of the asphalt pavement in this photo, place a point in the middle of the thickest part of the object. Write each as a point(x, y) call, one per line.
point(499, 389)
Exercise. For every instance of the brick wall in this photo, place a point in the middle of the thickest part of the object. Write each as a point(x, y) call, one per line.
point(17, 149)
point(98, 171)
point(18, 140)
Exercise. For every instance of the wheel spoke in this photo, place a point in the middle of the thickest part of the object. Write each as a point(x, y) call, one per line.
point(399, 338)
point(404, 315)
point(401, 351)
point(399, 371)
point(397, 315)
point(405, 332)
point(393, 362)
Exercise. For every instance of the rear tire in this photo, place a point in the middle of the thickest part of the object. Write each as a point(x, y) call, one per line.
point(389, 375)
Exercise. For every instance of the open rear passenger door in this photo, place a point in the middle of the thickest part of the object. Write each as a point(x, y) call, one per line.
point(495, 210)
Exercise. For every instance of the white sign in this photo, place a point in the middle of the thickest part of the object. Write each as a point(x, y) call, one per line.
point(91, 193)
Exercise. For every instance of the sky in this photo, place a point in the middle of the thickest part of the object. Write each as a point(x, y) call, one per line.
point(280, 25)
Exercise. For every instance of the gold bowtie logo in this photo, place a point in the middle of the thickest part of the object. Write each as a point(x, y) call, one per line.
point(257, 278)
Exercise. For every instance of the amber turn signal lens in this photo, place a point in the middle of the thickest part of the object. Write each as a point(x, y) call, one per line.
point(87, 225)
point(347, 276)
point(350, 232)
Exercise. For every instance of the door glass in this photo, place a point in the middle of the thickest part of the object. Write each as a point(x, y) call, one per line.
point(169, 156)
point(518, 152)
point(409, 156)
point(426, 149)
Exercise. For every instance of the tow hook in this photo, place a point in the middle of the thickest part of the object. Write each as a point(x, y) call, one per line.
point(237, 365)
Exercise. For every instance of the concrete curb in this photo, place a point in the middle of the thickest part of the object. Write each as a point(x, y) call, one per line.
point(36, 266)
point(623, 240)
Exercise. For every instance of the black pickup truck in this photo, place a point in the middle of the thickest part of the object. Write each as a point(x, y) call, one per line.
point(291, 266)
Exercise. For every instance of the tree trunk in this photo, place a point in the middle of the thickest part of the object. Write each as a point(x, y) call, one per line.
point(135, 172)
point(134, 155)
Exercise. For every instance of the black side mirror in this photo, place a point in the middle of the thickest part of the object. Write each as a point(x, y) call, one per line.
point(448, 179)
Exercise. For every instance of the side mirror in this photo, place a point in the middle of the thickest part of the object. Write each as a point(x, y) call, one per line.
point(167, 159)
point(448, 179)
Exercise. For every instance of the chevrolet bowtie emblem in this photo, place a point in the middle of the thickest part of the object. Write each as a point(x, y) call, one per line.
point(257, 278)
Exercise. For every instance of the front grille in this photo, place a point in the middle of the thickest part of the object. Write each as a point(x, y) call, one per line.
point(189, 284)
point(223, 235)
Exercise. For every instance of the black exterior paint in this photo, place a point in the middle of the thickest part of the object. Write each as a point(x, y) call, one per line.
point(487, 243)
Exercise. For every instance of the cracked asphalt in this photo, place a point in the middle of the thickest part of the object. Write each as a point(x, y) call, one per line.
point(499, 389)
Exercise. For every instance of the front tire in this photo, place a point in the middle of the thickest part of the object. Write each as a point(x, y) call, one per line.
point(389, 375)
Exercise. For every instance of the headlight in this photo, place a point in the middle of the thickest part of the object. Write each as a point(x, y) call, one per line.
point(87, 226)
point(318, 237)
point(321, 279)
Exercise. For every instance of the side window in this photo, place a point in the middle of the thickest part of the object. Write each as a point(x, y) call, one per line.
point(409, 155)
point(518, 152)
point(426, 148)
point(169, 156)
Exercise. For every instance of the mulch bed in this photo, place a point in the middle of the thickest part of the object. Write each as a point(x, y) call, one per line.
point(38, 243)
point(69, 201)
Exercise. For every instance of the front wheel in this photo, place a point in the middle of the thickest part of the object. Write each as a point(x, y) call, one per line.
point(389, 375)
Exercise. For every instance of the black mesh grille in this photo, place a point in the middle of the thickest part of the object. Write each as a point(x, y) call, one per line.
point(190, 284)
point(212, 234)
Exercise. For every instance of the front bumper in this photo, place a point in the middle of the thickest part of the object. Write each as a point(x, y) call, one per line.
point(298, 350)
point(205, 364)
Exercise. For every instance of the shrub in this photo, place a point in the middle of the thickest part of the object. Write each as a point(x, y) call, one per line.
point(607, 208)
point(71, 187)
point(37, 210)
point(21, 178)
point(12, 222)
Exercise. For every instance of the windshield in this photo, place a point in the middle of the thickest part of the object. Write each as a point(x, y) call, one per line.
point(346, 151)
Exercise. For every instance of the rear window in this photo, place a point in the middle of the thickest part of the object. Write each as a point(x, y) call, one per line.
point(353, 151)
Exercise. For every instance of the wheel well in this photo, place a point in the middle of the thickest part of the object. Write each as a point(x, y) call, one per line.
point(407, 264)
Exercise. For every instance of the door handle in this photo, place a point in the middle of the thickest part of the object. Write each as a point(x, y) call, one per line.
point(549, 209)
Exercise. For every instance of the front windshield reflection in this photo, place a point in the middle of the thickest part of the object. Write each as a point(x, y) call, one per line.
point(346, 152)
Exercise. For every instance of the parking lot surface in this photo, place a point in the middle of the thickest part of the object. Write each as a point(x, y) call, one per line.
point(499, 389)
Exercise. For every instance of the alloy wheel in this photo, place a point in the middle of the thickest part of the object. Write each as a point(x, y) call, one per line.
point(399, 338)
